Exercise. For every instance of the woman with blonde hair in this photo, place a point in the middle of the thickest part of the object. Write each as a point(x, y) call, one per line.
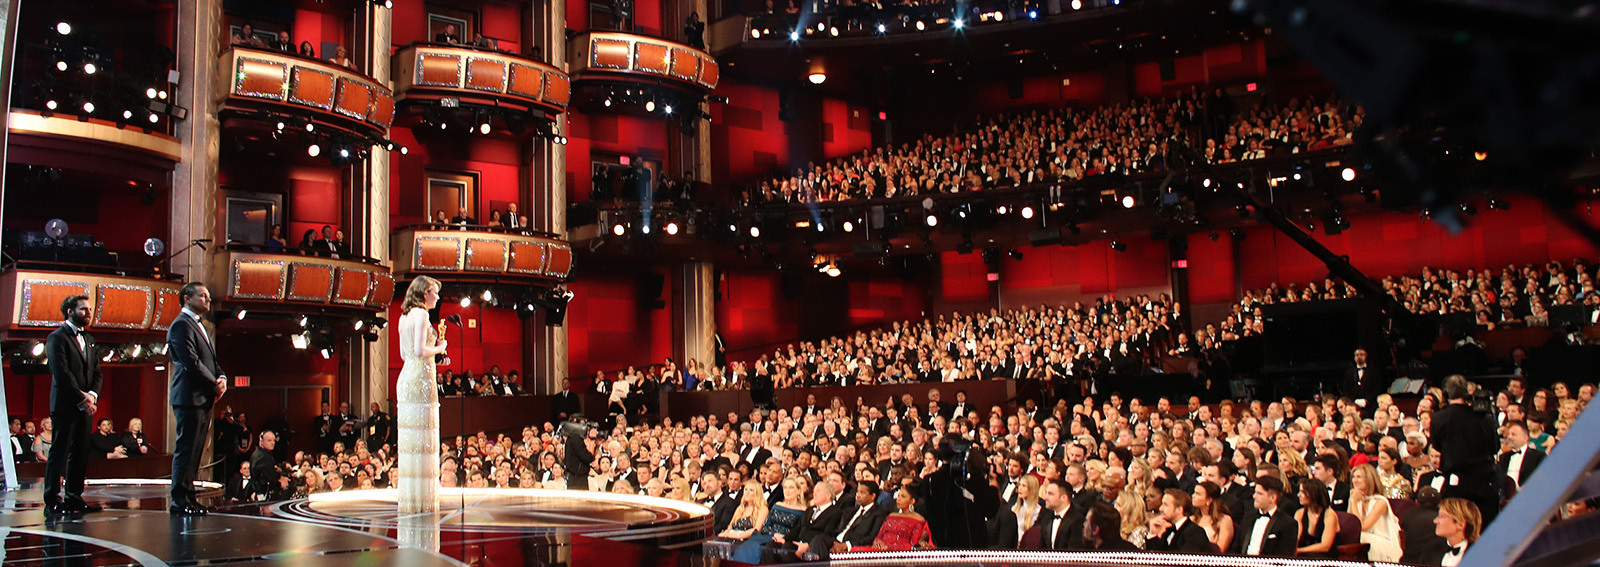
point(1027, 506)
point(1134, 529)
point(749, 516)
point(418, 413)
point(1092, 471)
point(1379, 526)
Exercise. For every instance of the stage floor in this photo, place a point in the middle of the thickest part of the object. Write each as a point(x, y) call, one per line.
point(544, 528)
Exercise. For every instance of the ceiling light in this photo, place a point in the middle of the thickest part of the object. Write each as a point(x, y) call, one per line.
point(848, 226)
point(618, 229)
point(818, 78)
point(488, 295)
point(755, 33)
point(88, 107)
point(1027, 212)
point(649, 106)
point(1349, 174)
point(668, 109)
point(921, 26)
point(485, 128)
point(151, 92)
point(127, 114)
point(466, 302)
point(240, 315)
point(312, 150)
point(755, 232)
point(300, 341)
point(833, 31)
point(960, 23)
point(645, 229)
point(672, 228)
point(933, 220)
point(794, 35)
point(154, 118)
point(1127, 201)
point(1077, 4)
point(61, 65)
point(64, 28)
point(89, 68)
point(1000, 209)
point(882, 28)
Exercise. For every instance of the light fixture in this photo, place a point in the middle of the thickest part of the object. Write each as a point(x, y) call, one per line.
point(1027, 212)
point(160, 368)
point(280, 125)
point(311, 127)
point(960, 23)
point(833, 271)
point(833, 31)
point(1127, 201)
point(327, 354)
point(466, 301)
point(1119, 246)
point(50, 104)
point(488, 295)
point(404, 150)
point(755, 232)
point(822, 26)
point(649, 106)
point(1077, 4)
point(672, 228)
point(162, 95)
point(848, 226)
point(312, 150)
point(137, 348)
point(933, 220)
point(1000, 209)
point(618, 229)
point(304, 321)
point(485, 128)
point(89, 68)
point(882, 28)
point(151, 92)
point(794, 35)
point(818, 77)
point(61, 65)
point(360, 323)
point(1349, 174)
point(154, 118)
point(344, 153)
point(1206, 183)
point(88, 107)
point(127, 114)
point(1033, 14)
point(755, 33)
point(608, 102)
point(819, 226)
point(921, 26)
point(300, 341)
point(240, 315)
point(668, 109)
point(38, 349)
point(64, 28)
point(1480, 156)
point(644, 228)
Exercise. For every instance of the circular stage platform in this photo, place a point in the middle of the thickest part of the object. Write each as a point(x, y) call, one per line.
point(668, 524)
point(1017, 558)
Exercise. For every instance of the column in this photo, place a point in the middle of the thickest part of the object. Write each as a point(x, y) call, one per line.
point(194, 207)
point(694, 313)
point(8, 52)
point(545, 189)
point(367, 380)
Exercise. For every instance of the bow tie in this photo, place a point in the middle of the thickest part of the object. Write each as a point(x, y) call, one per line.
point(1454, 551)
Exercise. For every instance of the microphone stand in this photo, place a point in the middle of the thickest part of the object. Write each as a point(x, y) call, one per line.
point(201, 242)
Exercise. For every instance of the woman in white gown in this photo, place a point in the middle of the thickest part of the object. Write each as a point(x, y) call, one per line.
point(418, 415)
point(1379, 526)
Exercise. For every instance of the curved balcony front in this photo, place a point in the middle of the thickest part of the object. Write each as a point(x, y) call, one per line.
point(123, 304)
point(625, 57)
point(431, 72)
point(276, 83)
point(480, 254)
point(91, 144)
point(299, 283)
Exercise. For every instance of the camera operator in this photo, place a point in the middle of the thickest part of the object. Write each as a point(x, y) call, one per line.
point(579, 453)
point(1465, 437)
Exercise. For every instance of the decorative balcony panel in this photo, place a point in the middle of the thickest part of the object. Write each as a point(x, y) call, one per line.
point(121, 303)
point(297, 282)
point(76, 143)
point(429, 72)
point(480, 255)
point(327, 94)
point(615, 56)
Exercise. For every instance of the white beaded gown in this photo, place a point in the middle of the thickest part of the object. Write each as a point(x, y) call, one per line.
point(418, 417)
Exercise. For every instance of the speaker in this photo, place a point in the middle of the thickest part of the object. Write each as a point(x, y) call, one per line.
point(1044, 236)
point(1169, 70)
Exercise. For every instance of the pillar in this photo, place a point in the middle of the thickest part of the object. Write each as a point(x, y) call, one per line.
point(694, 313)
point(8, 52)
point(193, 206)
point(545, 189)
point(367, 374)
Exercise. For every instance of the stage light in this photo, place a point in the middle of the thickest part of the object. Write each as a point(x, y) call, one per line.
point(127, 115)
point(672, 228)
point(1469, 210)
point(848, 226)
point(833, 31)
point(240, 315)
point(1000, 209)
point(50, 104)
point(818, 78)
point(933, 220)
point(154, 118)
point(755, 33)
point(280, 125)
point(313, 150)
point(485, 128)
point(304, 321)
point(1499, 205)
point(161, 95)
point(1027, 212)
point(833, 271)
point(794, 35)
point(1206, 183)
point(1118, 246)
point(921, 26)
point(1015, 254)
point(618, 229)
point(819, 227)
point(446, 126)
point(1349, 174)
point(1077, 4)
point(821, 26)
point(668, 109)
point(1127, 201)
point(645, 229)
point(160, 368)
point(649, 106)
point(466, 302)
point(151, 93)
point(300, 341)
point(344, 153)
point(89, 69)
point(61, 65)
point(733, 227)
point(38, 349)
point(1480, 156)
point(960, 23)
point(64, 28)
point(999, 16)
point(1033, 14)
point(755, 232)
point(488, 296)
point(137, 348)
point(404, 150)
point(88, 107)
point(311, 127)
point(882, 28)
point(327, 354)
point(608, 102)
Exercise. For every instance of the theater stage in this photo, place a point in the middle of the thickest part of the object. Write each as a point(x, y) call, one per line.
point(480, 527)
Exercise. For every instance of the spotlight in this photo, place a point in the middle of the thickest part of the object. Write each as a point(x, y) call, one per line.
point(618, 229)
point(485, 128)
point(608, 102)
point(154, 118)
point(151, 93)
point(755, 33)
point(833, 31)
point(1469, 210)
point(304, 321)
point(672, 228)
point(1480, 156)
point(933, 220)
point(311, 127)
point(794, 35)
point(50, 104)
point(64, 28)
point(1349, 174)
point(1033, 14)
point(1119, 246)
point(920, 26)
point(959, 23)
point(488, 296)
point(240, 315)
point(819, 226)
point(1027, 212)
point(404, 150)
point(833, 271)
point(848, 226)
point(327, 354)
point(466, 301)
point(279, 124)
point(817, 78)
point(88, 107)
point(300, 341)
point(89, 69)
point(649, 106)
point(755, 232)
point(163, 96)
point(821, 26)
point(1127, 201)
point(1499, 205)
point(1206, 183)
point(882, 28)
point(1077, 4)
point(668, 109)
point(1000, 210)
point(645, 229)
point(61, 65)
point(312, 150)
point(137, 348)
point(344, 153)
point(127, 114)
point(38, 349)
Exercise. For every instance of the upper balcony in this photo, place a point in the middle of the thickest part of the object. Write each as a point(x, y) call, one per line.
point(480, 254)
point(617, 57)
point(428, 73)
point(265, 279)
point(267, 84)
point(125, 303)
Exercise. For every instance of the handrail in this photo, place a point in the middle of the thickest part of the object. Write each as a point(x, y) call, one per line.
point(297, 251)
point(475, 228)
point(94, 269)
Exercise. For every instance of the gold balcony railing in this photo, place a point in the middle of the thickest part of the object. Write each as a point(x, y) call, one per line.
point(633, 57)
point(478, 253)
point(121, 303)
point(429, 71)
point(305, 281)
point(328, 94)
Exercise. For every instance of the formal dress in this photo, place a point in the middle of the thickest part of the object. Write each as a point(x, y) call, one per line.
point(417, 417)
point(901, 533)
point(1385, 534)
point(779, 521)
point(1395, 485)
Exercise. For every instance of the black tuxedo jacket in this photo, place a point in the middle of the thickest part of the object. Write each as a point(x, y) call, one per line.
point(73, 370)
point(1341, 497)
point(1238, 498)
point(1189, 538)
point(1367, 387)
point(1280, 537)
point(826, 524)
point(1003, 529)
point(865, 530)
point(1069, 535)
point(566, 402)
point(723, 508)
point(194, 364)
point(1530, 461)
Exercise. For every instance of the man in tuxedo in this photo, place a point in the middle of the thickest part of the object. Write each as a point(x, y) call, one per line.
point(1517, 463)
point(566, 403)
point(1326, 469)
point(1172, 530)
point(859, 523)
point(1236, 497)
point(1362, 382)
point(264, 467)
point(1270, 530)
point(580, 452)
point(1466, 440)
point(105, 443)
point(1060, 522)
point(74, 398)
point(821, 520)
point(197, 382)
point(450, 35)
point(326, 428)
point(722, 507)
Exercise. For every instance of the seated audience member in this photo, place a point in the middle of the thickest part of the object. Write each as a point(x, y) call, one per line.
point(1272, 529)
point(1459, 523)
point(905, 529)
point(105, 443)
point(247, 37)
point(1418, 531)
point(450, 35)
point(133, 441)
point(307, 51)
point(1102, 529)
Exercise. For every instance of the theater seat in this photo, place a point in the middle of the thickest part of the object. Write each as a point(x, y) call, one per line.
point(1347, 543)
point(1398, 506)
